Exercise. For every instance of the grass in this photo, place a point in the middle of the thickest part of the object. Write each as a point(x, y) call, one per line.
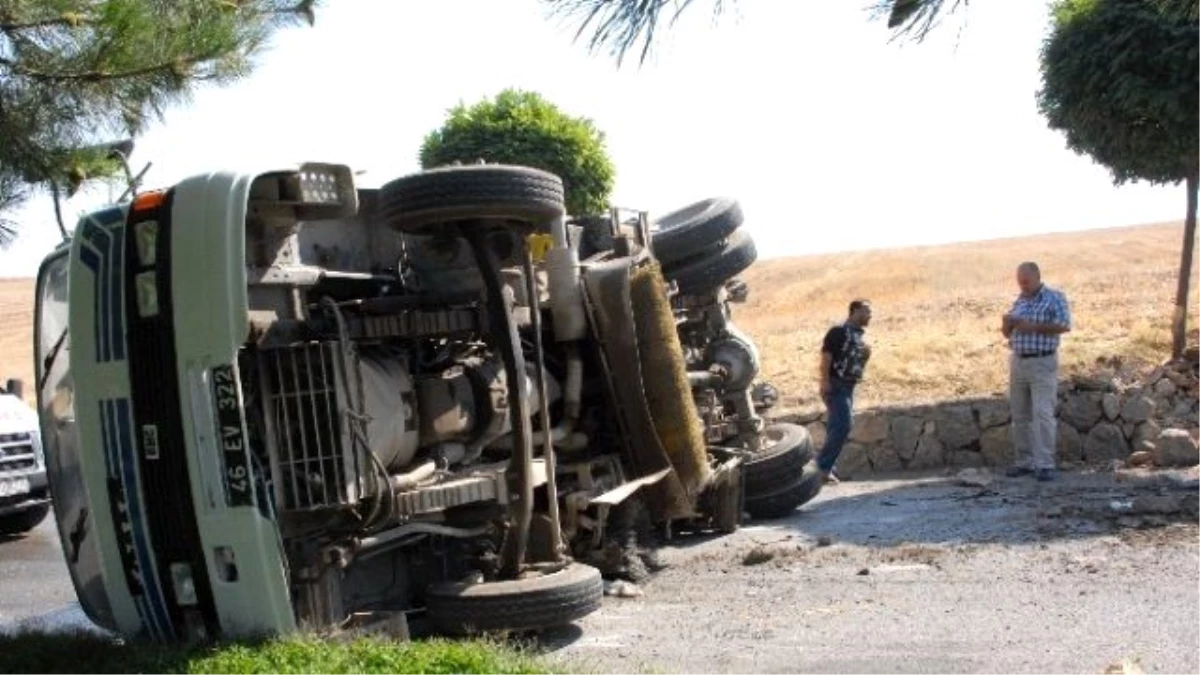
point(92, 653)
point(935, 331)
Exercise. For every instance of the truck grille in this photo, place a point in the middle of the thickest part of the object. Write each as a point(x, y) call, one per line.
point(310, 467)
point(17, 453)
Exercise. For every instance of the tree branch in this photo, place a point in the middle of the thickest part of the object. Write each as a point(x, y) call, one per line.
point(69, 19)
point(99, 76)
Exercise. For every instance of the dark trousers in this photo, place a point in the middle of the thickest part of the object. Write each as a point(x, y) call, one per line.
point(838, 404)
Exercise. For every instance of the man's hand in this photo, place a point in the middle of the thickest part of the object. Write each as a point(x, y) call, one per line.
point(1025, 326)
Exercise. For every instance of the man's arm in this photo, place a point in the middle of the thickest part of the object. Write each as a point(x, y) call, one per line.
point(826, 366)
point(1060, 323)
point(833, 341)
point(1006, 325)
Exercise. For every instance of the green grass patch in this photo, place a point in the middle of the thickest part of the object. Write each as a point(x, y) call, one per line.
point(37, 652)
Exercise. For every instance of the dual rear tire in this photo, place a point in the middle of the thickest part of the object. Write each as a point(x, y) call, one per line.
point(783, 475)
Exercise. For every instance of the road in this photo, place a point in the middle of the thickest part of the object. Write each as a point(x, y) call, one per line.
point(911, 576)
point(905, 575)
point(34, 583)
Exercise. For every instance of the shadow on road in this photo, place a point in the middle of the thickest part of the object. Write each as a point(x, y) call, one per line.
point(944, 510)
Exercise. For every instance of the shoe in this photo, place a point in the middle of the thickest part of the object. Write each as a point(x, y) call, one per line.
point(829, 478)
point(1018, 471)
point(1047, 475)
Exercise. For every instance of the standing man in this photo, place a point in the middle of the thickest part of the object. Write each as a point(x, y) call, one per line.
point(844, 356)
point(1033, 328)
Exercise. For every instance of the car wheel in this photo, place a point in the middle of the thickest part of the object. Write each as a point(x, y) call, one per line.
point(24, 521)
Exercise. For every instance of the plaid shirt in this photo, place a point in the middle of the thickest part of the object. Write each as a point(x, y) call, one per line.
point(1048, 306)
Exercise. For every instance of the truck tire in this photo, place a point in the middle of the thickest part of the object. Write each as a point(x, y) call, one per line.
point(782, 462)
point(695, 229)
point(24, 521)
point(422, 203)
point(710, 271)
point(551, 600)
point(783, 501)
point(784, 475)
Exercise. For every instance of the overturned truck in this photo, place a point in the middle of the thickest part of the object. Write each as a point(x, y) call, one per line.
point(275, 402)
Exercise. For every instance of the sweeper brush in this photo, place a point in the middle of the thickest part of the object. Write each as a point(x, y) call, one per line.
point(665, 379)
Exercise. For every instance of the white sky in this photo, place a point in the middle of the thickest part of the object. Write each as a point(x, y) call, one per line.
point(831, 137)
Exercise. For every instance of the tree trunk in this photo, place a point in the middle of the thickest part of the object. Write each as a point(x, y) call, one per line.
point(1179, 329)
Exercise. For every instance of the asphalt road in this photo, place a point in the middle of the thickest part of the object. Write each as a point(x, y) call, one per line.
point(911, 575)
point(34, 583)
point(923, 576)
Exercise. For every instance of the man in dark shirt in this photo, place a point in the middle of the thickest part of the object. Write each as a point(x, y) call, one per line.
point(844, 356)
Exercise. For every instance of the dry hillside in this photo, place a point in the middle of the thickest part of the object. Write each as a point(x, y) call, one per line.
point(935, 330)
point(937, 310)
point(16, 331)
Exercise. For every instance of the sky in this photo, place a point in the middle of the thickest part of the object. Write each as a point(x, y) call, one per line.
point(830, 135)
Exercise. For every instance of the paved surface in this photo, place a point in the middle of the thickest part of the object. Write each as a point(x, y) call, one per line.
point(908, 575)
point(33, 577)
point(923, 576)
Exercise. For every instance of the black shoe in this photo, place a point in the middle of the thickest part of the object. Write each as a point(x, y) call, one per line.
point(1047, 475)
point(1018, 471)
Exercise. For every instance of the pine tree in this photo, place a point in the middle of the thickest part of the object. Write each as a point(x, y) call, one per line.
point(74, 74)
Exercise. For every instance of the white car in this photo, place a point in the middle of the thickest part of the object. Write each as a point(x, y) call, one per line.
point(24, 496)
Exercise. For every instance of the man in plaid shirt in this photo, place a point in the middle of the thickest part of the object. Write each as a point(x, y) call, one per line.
point(1033, 328)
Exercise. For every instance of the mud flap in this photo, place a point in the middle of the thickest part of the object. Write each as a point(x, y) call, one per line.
point(610, 309)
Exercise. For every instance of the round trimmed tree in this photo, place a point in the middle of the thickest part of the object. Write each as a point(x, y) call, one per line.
point(1121, 79)
point(521, 127)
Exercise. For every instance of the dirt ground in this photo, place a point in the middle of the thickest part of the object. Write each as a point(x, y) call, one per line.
point(926, 575)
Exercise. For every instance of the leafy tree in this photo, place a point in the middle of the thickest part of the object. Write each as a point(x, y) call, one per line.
point(75, 73)
point(623, 25)
point(1121, 79)
point(521, 127)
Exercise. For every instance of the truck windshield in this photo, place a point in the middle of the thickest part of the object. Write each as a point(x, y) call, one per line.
point(51, 343)
point(56, 409)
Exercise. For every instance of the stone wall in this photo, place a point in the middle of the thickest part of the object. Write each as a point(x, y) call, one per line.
point(1151, 420)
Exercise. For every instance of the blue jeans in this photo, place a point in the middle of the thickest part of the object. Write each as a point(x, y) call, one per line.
point(838, 404)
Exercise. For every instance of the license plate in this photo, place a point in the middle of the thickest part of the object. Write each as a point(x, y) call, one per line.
point(239, 484)
point(14, 487)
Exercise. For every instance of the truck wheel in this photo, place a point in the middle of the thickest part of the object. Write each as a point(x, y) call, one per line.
point(783, 475)
point(551, 600)
point(694, 229)
point(781, 462)
point(783, 501)
point(421, 203)
point(24, 521)
point(708, 272)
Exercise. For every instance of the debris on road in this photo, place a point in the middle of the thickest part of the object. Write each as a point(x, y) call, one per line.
point(1125, 667)
point(972, 477)
point(622, 589)
point(758, 555)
